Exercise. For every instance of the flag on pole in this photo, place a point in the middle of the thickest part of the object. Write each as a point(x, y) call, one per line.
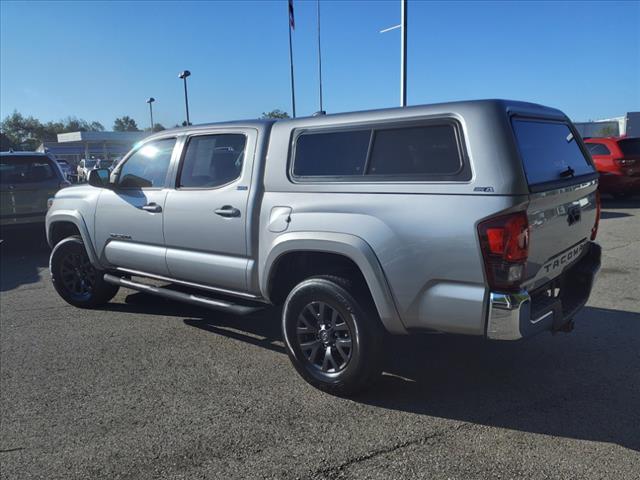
point(292, 21)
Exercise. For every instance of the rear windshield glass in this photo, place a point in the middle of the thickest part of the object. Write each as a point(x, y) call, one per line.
point(25, 169)
point(630, 146)
point(549, 151)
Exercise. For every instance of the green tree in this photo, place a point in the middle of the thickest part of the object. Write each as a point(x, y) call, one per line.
point(125, 124)
point(23, 132)
point(27, 133)
point(96, 127)
point(157, 127)
point(277, 113)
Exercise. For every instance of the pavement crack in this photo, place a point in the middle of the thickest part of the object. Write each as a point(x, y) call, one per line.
point(7, 450)
point(335, 472)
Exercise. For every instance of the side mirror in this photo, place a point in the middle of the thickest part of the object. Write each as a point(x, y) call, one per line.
point(99, 177)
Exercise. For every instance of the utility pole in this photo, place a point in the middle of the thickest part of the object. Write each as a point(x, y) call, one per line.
point(292, 25)
point(321, 111)
point(403, 53)
point(403, 50)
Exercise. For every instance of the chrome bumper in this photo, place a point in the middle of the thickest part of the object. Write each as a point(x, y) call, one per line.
point(510, 318)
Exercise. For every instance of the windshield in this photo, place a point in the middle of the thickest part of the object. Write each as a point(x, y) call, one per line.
point(549, 151)
point(630, 147)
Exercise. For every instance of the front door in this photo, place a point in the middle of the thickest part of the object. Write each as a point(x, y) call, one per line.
point(205, 217)
point(129, 217)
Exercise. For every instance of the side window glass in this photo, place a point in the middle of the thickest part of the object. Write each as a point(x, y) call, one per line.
point(212, 160)
point(148, 166)
point(41, 171)
point(428, 150)
point(331, 154)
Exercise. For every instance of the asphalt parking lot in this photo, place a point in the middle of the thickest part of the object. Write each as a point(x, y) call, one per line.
point(147, 388)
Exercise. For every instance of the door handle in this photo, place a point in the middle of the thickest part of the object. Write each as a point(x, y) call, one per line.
point(152, 207)
point(228, 211)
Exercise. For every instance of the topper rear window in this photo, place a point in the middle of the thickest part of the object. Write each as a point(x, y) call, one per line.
point(549, 151)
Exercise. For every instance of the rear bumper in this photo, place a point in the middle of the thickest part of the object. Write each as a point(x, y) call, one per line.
point(513, 316)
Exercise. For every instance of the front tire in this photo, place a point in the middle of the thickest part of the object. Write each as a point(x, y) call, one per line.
point(75, 279)
point(332, 335)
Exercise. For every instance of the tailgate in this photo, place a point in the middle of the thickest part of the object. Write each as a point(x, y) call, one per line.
point(560, 224)
point(562, 209)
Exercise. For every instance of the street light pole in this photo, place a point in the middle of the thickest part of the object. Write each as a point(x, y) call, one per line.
point(403, 53)
point(321, 111)
point(150, 102)
point(183, 75)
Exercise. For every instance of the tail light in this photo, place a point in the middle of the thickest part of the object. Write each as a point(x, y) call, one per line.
point(594, 230)
point(504, 242)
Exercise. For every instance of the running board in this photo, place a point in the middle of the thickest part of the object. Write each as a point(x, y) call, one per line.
point(198, 300)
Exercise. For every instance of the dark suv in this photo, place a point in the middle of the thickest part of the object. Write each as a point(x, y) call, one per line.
point(27, 181)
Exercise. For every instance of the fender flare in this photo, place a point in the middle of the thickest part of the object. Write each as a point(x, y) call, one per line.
point(347, 245)
point(73, 216)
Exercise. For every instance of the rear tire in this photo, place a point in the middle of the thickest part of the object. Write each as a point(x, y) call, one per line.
point(333, 335)
point(75, 279)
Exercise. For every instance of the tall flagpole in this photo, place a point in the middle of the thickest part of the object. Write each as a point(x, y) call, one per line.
point(319, 60)
point(293, 91)
point(403, 53)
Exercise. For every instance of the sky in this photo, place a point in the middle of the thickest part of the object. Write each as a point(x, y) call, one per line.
point(101, 60)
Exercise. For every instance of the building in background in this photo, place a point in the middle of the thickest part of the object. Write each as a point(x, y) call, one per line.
point(626, 125)
point(108, 146)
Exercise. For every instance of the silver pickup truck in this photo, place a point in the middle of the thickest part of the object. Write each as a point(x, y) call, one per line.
point(475, 218)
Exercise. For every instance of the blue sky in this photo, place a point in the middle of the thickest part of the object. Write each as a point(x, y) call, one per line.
point(100, 60)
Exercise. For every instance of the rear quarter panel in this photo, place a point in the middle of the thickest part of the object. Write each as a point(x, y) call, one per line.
point(424, 234)
point(426, 245)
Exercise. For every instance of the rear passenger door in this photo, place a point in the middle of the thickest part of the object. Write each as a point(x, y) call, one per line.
point(205, 221)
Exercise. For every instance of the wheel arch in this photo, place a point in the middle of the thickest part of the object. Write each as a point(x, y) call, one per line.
point(352, 250)
point(62, 224)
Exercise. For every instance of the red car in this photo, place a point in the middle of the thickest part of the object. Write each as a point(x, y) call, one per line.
point(618, 161)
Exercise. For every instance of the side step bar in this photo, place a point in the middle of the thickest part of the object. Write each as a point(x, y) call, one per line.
point(200, 301)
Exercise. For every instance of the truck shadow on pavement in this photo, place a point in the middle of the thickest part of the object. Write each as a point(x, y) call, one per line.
point(23, 254)
point(585, 385)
